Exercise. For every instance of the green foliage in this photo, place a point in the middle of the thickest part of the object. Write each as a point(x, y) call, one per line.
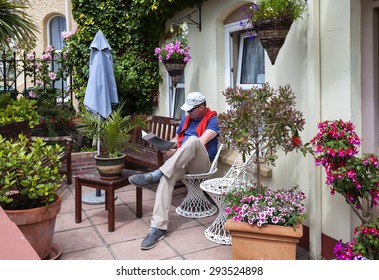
point(29, 173)
point(114, 132)
point(15, 23)
point(367, 241)
point(18, 110)
point(269, 9)
point(133, 29)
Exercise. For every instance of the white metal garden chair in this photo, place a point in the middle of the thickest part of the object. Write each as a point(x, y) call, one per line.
point(196, 204)
point(240, 173)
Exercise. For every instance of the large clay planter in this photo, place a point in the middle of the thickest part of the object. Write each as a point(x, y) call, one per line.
point(38, 225)
point(268, 242)
point(109, 168)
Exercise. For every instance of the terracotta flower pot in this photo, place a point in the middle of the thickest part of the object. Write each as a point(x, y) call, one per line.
point(268, 242)
point(38, 225)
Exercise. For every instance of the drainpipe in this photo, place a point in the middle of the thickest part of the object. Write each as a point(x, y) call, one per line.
point(68, 14)
point(314, 116)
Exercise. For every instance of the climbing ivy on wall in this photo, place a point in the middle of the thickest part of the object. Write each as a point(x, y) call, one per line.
point(133, 29)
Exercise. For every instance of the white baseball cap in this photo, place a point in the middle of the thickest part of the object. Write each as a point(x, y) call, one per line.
point(193, 99)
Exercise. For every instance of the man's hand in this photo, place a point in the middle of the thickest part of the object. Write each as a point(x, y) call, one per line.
point(170, 152)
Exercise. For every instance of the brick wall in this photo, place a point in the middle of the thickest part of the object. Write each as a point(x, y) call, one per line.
point(81, 162)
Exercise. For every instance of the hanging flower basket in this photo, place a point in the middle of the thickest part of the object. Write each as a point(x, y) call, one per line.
point(272, 34)
point(175, 68)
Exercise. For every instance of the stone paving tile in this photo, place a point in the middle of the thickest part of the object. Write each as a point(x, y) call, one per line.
point(189, 240)
point(77, 239)
point(66, 221)
point(130, 250)
point(125, 231)
point(98, 253)
point(90, 239)
point(217, 253)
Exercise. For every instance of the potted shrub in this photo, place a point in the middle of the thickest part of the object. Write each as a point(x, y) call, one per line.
point(271, 20)
point(16, 110)
point(28, 188)
point(262, 121)
point(113, 136)
point(356, 178)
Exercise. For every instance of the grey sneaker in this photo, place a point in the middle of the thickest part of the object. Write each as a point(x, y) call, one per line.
point(142, 180)
point(152, 238)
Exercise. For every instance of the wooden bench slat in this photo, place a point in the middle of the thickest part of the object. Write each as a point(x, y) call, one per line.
point(144, 154)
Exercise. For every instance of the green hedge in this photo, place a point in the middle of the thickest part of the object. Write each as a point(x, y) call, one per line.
point(133, 28)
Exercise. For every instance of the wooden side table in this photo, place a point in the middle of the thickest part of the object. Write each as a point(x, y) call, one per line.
point(92, 180)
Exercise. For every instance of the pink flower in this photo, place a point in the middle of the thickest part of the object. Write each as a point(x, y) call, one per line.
point(52, 76)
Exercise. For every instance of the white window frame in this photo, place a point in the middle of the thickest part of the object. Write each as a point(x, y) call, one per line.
point(239, 70)
point(228, 42)
point(171, 93)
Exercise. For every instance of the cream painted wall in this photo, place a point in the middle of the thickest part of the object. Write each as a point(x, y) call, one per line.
point(321, 61)
point(339, 98)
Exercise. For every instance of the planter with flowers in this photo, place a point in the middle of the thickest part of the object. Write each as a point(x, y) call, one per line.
point(356, 178)
point(264, 223)
point(272, 20)
point(174, 53)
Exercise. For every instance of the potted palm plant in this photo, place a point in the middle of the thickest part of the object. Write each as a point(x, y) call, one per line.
point(113, 136)
point(29, 184)
point(262, 121)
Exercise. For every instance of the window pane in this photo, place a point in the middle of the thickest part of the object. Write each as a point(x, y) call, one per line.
point(179, 98)
point(57, 26)
point(252, 63)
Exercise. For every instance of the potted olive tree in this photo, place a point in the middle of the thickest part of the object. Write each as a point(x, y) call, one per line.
point(29, 184)
point(113, 135)
point(261, 122)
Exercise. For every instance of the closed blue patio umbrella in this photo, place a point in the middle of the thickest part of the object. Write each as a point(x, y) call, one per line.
point(101, 91)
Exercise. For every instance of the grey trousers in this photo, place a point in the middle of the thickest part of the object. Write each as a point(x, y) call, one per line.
point(192, 157)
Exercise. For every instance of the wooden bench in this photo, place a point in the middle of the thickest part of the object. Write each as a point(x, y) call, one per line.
point(141, 154)
point(12, 130)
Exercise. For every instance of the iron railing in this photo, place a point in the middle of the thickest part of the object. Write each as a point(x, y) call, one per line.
point(20, 75)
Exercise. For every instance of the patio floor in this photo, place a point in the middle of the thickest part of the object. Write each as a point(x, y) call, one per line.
point(90, 239)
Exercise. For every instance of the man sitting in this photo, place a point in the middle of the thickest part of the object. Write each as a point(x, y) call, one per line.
point(195, 147)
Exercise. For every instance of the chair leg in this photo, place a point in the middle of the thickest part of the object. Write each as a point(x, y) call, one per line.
point(196, 204)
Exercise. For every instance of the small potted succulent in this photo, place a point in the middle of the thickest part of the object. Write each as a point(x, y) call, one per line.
point(263, 121)
point(356, 178)
point(29, 185)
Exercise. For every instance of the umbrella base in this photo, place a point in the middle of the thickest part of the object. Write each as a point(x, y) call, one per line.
point(94, 199)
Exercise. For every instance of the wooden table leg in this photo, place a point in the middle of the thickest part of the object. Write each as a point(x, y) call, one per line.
point(78, 201)
point(138, 202)
point(111, 211)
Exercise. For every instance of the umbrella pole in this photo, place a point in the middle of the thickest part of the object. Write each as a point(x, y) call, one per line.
point(97, 198)
point(98, 192)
